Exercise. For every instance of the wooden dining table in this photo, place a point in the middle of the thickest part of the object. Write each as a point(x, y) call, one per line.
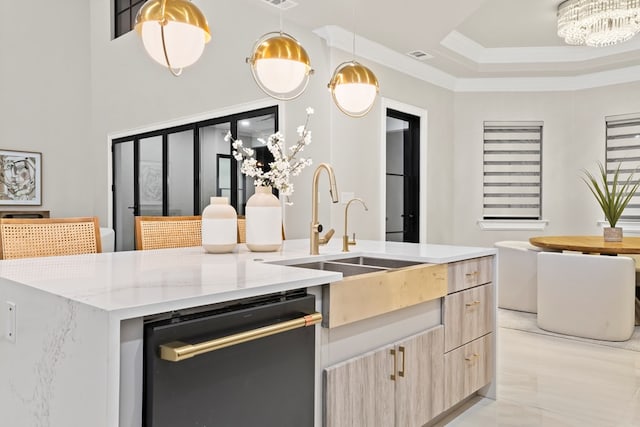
point(587, 244)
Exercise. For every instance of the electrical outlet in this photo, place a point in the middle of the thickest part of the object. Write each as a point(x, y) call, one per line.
point(345, 196)
point(10, 333)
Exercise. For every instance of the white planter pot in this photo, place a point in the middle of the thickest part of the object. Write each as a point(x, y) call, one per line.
point(264, 221)
point(219, 226)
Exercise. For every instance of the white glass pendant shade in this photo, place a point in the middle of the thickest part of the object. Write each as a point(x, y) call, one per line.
point(280, 66)
point(355, 99)
point(173, 32)
point(281, 75)
point(184, 43)
point(354, 88)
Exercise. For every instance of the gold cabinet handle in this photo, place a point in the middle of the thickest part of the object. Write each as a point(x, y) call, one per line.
point(395, 364)
point(472, 274)
point(473, 303)
point(177, 351)
point(471, 358)
point(401, 371)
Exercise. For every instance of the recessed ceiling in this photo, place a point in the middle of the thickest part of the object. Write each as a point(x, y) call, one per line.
point(468, 39)
point(513, 23)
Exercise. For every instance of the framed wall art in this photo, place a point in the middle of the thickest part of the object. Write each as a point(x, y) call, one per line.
point(20, 178)
point(150, 176)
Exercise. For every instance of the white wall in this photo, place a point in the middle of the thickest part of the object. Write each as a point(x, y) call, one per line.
point(358, 145)
point(573, 139)
point(44, 98)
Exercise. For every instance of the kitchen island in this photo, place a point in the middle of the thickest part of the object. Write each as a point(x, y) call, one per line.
point(70, 352)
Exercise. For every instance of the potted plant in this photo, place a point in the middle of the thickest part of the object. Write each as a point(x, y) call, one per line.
point(611, 198)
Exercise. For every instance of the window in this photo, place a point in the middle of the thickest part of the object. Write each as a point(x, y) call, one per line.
point(124, 15)
point(623, 148)
point(512, 170)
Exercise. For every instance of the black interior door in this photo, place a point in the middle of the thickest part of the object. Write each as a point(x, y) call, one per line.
point(403, 177)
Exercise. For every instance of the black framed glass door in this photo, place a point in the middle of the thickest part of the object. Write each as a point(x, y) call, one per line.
point(175, 171)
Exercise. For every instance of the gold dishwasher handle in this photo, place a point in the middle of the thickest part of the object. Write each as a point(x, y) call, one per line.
point(177, 351)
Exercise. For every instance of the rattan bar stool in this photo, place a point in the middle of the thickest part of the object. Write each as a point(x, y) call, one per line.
point(242, 229)
point(42, 237)
point(162, 232)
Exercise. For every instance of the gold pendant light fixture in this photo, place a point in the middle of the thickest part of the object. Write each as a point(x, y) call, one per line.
point(353, 86)
point(173, 32)
point(280, 66)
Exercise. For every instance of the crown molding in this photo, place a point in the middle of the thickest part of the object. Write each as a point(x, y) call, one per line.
point(477, 53)
point(339, 38)
point(549, 84)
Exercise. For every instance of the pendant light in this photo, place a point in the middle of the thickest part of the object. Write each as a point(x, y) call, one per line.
point(173, 32)
point(353, 86)
point(279, 65)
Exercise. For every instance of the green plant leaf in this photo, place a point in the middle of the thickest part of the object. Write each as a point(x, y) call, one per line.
point(612, 199)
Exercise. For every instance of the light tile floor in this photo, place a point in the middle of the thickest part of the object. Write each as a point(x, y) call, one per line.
point(556, 382)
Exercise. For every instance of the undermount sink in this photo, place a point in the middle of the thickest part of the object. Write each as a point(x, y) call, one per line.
point(347, 269)
point(352, 266)
point(379, 262)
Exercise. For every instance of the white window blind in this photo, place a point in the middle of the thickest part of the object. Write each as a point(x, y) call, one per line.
point(623, 148)
point(512, 170)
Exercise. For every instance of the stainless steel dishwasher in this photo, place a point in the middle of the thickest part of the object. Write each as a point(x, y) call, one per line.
point(245, 363)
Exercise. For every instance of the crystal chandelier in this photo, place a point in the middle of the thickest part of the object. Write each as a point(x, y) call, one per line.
point(598, 22)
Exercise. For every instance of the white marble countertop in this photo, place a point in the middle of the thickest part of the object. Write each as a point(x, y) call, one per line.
point(137, 283)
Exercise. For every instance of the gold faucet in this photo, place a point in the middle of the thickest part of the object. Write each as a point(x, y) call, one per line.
point(316, 227)
point(345, 238)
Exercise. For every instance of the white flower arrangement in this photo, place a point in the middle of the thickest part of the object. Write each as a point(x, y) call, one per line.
point(284, 164)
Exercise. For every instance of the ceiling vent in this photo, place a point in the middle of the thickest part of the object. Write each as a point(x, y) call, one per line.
point(420, 55)
point(281, 4)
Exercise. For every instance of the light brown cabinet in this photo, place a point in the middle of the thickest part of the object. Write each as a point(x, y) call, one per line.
point(469, 273)
point(411, 381)
point(401, 384)
point(468, 315)
point(359, 391)
point(469, 319)
point(468, 369)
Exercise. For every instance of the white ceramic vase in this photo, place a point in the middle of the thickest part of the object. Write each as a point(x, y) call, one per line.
point(264, 221)
point(219, 226)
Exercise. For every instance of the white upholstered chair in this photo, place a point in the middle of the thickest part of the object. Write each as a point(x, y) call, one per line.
point(517, 275)
point(589, 296)
point(636, 258)
point(108, 238)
